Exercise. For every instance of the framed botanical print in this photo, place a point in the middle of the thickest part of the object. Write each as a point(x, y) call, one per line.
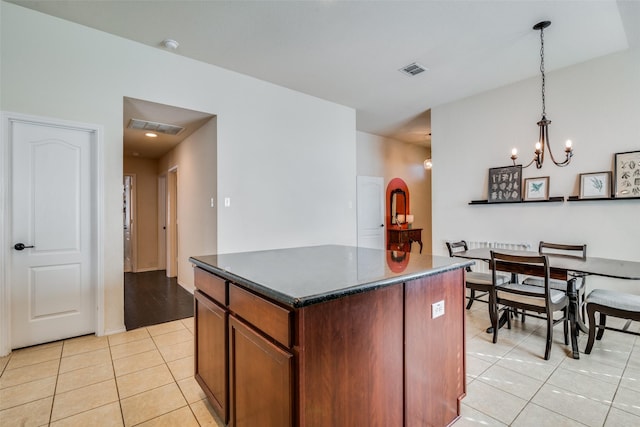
point(595, 185)
point(627, 168)
point(536, 188)
point(505, 184)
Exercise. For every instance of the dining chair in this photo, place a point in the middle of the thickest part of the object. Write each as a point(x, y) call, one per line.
point(573, 251)
point(475, 281)
point(609, 303)
point(540, 299)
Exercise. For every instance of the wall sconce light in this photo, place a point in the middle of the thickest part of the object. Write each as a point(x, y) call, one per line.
point(428, 164)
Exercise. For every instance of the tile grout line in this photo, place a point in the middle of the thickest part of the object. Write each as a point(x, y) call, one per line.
point(175, 379)
point(55, 387)
point(613, 398)
point(115, 380)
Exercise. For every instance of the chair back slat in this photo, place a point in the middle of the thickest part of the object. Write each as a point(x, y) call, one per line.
point(530, 265)
point(455, 247)
point(578, 251)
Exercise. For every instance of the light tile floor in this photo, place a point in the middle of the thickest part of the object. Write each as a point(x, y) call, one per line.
point(141, 377)
point(510, 383)
point(145, 377)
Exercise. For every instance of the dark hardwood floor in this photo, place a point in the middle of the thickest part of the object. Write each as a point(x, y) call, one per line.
point(151, 298)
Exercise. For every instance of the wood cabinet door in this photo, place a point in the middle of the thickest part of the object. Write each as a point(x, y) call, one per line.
point(260, 377)
point(434, 349)
point(211, 352)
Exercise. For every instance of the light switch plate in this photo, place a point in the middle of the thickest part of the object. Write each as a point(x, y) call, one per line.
point(437, 309)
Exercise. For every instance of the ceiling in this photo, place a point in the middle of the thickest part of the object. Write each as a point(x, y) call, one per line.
point(137, 144)
point(349, 52)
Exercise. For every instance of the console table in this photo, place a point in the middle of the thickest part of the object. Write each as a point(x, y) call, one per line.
point(402, 238)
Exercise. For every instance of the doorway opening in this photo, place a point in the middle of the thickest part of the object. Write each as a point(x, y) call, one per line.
point(152, 239)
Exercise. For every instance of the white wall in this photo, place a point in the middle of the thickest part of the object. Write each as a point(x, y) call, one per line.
point(388, 158)
point(596, 104)
point(195, 159)
point(286, 160)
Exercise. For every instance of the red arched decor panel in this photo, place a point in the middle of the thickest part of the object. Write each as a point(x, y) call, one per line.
point(394, 184)
point(398, 260)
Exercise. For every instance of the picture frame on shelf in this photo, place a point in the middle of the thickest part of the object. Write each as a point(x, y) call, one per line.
point(627, 174)
point(505, 184)
point(595, 185)
point(536, 188)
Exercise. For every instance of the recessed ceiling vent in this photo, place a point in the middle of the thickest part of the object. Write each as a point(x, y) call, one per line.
point(413, 69)
point(155, 127)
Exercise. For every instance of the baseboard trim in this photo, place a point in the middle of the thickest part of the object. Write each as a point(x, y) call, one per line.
point(144, 270)
point(115, 331)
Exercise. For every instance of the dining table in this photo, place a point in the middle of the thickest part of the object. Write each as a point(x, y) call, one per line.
point(569, 268)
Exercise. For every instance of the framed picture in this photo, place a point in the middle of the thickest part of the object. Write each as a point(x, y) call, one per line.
point(536, 188)
point(505, 184)
point(627, 168)
point(595, 185)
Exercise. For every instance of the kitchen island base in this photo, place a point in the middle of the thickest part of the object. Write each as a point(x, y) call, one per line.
point(388, 356)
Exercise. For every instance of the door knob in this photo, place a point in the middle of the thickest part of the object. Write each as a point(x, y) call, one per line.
point(21, 246)
point(381, 225)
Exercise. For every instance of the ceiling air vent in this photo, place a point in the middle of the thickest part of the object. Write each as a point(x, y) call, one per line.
point(413, 69)
point(155, 127)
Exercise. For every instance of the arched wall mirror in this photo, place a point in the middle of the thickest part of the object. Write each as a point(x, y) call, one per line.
point(398, 206)
point(397, 203)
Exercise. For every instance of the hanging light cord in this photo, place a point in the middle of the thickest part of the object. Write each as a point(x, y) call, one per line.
point(544, 110)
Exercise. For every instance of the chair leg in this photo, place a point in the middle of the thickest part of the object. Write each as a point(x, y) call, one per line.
point(591, 313)
point(603, 324)
point(493, 314)
point(472, 297)
point(547, 352)
point(566, 326)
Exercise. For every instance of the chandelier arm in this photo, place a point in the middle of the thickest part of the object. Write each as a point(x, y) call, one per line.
point(528, 164)
point(568, 154)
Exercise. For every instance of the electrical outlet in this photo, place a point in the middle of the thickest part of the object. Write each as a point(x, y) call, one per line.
point(437, 309)
point(227, 202)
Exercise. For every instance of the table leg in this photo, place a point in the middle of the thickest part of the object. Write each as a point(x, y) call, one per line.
point(503, 319)
point(574, 316)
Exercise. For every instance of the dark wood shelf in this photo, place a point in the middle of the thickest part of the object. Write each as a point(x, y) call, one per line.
point(486, 202)
point(578, 199)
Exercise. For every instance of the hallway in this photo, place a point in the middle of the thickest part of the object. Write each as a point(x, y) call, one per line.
point(151, 298)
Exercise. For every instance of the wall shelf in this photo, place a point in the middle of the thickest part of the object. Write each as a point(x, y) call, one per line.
point(599, 199)
point(486, 202)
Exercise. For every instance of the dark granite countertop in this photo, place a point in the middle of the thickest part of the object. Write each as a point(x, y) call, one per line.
point(298, 277)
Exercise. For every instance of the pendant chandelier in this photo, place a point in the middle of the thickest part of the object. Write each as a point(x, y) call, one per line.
point(543, 124)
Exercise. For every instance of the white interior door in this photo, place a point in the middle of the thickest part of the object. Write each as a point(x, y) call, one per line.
point(370, 200)
point(128, 223)
point(52, 291)
point(172, 223)
point(162, 222)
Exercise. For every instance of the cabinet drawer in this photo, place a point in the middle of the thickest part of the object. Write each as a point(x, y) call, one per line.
point(213, 286)
point(271, 319)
